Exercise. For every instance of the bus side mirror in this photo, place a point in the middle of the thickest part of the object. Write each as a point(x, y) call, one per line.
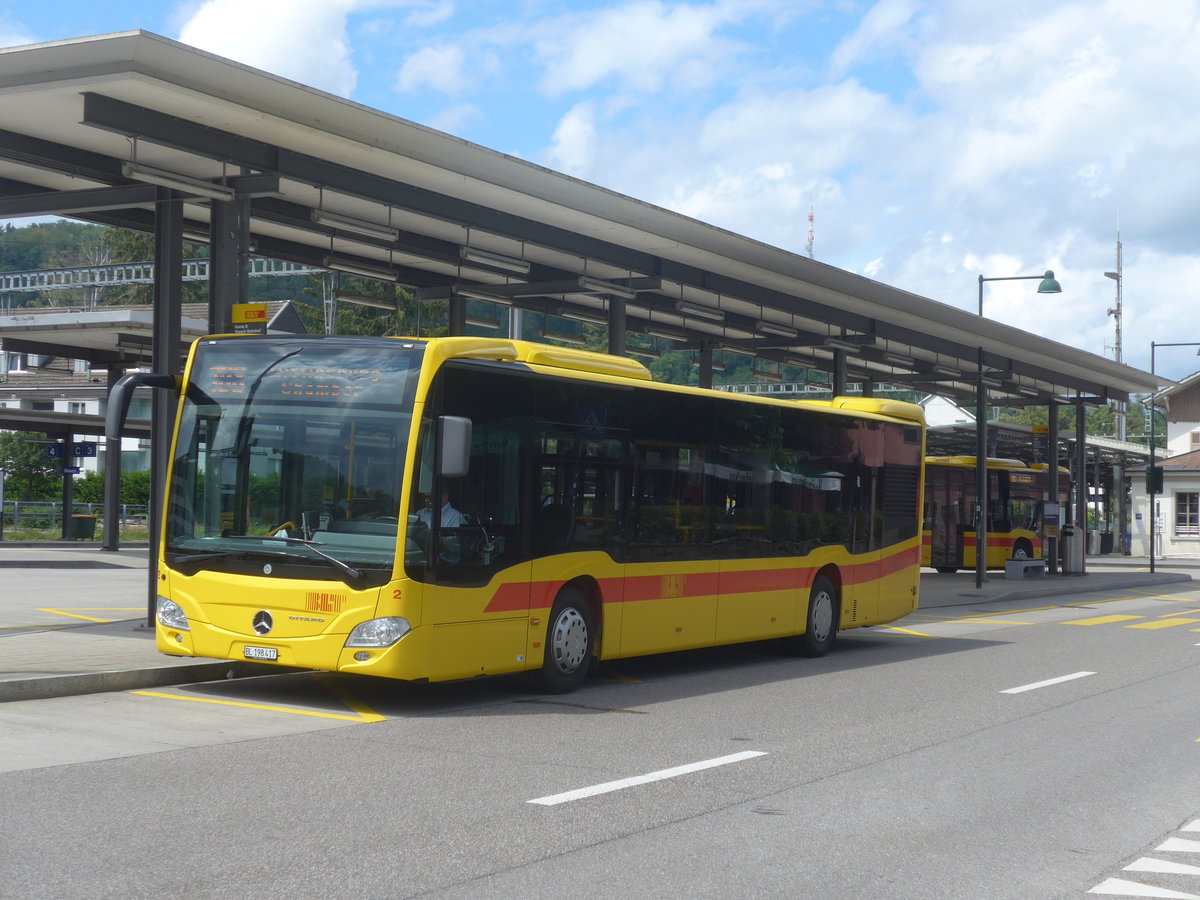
point(454, 441)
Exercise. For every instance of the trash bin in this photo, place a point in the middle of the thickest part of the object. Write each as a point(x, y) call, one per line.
point(1106, 542)
point(1093, 543)
point(1071, 543)
point(82, 528)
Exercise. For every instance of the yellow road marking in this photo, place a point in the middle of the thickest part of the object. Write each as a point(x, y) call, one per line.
point(364, 712)
point(1164, 596)
point(905, 631)
point(1164, 623)
point(1102, 620)
point(262, 706)
point(78, 609)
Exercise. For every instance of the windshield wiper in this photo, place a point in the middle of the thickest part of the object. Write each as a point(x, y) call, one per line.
point(350, 571)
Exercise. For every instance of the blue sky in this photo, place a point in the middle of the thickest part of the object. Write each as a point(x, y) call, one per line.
point(935, 141)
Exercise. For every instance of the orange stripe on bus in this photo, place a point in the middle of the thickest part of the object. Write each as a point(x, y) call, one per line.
point(640, 588)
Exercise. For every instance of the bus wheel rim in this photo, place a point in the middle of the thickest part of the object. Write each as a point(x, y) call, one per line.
point(569, 641)
point(822, 616)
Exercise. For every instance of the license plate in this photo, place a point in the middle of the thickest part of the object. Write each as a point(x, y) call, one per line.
point(267, 653)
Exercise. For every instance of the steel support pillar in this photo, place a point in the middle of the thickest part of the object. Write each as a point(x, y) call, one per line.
point(168, 300)
point(616, 326)
point(1052, 464)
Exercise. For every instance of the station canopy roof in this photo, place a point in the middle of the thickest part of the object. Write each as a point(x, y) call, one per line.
point(93, 127)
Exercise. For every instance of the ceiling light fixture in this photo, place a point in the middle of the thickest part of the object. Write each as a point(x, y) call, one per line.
point(496, 260)
point(474, 293)
point(580, 315)
point(704, 312)
point(565, 337)
point(185, 183)
point(354, 267)
point(360, 300)
point(780, 330)
point(358, 226)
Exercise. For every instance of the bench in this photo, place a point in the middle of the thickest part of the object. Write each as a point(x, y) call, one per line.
point(1025, 568)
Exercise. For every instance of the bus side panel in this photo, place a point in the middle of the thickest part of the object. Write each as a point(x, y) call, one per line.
point(860, 591)
point(758, 600)
point(480, 631)
point(669, 607)
point(899, 581)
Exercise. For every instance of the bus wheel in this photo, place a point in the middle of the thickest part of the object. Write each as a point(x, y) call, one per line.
point(1022, 550)
point(570, 637)
point(947, 570)
point(821, 628)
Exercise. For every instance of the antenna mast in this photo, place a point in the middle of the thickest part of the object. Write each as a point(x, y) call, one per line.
point(1115, 312)
point(811, 235)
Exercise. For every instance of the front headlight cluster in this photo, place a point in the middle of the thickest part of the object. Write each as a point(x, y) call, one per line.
point(170, 615)
point(379, 632)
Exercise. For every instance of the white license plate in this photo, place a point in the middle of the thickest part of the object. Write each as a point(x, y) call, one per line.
point(268, 653)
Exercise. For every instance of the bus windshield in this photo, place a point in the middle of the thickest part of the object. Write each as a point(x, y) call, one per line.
point(290, 452)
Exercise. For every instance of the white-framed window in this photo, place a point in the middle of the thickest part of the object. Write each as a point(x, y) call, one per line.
point(1187, 514)
point(1195, 437)
point(76, 407)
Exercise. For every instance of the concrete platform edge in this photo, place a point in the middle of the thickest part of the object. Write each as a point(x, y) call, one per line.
point(47, 687)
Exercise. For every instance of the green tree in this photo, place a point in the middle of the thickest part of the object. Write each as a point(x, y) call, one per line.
point(29, 473)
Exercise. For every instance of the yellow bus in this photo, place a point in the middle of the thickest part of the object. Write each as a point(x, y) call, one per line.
point(1016, 494)
point(448, 508)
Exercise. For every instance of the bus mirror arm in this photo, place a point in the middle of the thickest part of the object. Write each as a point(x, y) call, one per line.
point(122, 394)
point(114, 424)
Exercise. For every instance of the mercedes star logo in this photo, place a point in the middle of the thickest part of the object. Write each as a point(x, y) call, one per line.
point(263, 622)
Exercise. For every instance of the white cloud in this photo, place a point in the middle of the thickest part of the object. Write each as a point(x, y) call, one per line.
point(882, 28)
point(441, 68)
point(304, 40)
point(13, 33)
point(640, 46)
point(574, 148)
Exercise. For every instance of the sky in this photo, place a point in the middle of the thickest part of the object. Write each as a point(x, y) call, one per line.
point(934, 141)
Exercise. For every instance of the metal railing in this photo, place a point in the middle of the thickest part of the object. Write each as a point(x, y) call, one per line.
point(48, 514)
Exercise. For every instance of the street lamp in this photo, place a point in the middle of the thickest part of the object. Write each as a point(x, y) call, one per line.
point(1047, 286)
point(1151, 478)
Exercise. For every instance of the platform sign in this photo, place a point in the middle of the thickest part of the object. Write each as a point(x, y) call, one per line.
point(56, 451)
point(70, 470)
point(1052, 517)
point(84, 449)
point(250, 318)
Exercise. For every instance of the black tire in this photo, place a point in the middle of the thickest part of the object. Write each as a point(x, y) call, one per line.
point(1022, 550)
point(947, 570)
point(820, 630)
point(570, 639)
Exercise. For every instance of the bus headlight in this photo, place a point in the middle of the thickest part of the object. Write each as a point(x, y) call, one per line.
point(379, 632)
point(170, 615)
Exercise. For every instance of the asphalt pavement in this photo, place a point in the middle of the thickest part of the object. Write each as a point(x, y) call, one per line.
point(73, 618)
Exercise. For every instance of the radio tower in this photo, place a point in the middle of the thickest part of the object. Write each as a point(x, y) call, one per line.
point(1115, 312)
point(809, 245)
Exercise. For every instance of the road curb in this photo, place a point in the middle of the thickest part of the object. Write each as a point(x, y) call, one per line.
point(1058, 588)
point(47, 687)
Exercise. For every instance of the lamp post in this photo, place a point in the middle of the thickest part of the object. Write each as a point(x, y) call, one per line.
point(1047, 286)
point(1151, 478)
